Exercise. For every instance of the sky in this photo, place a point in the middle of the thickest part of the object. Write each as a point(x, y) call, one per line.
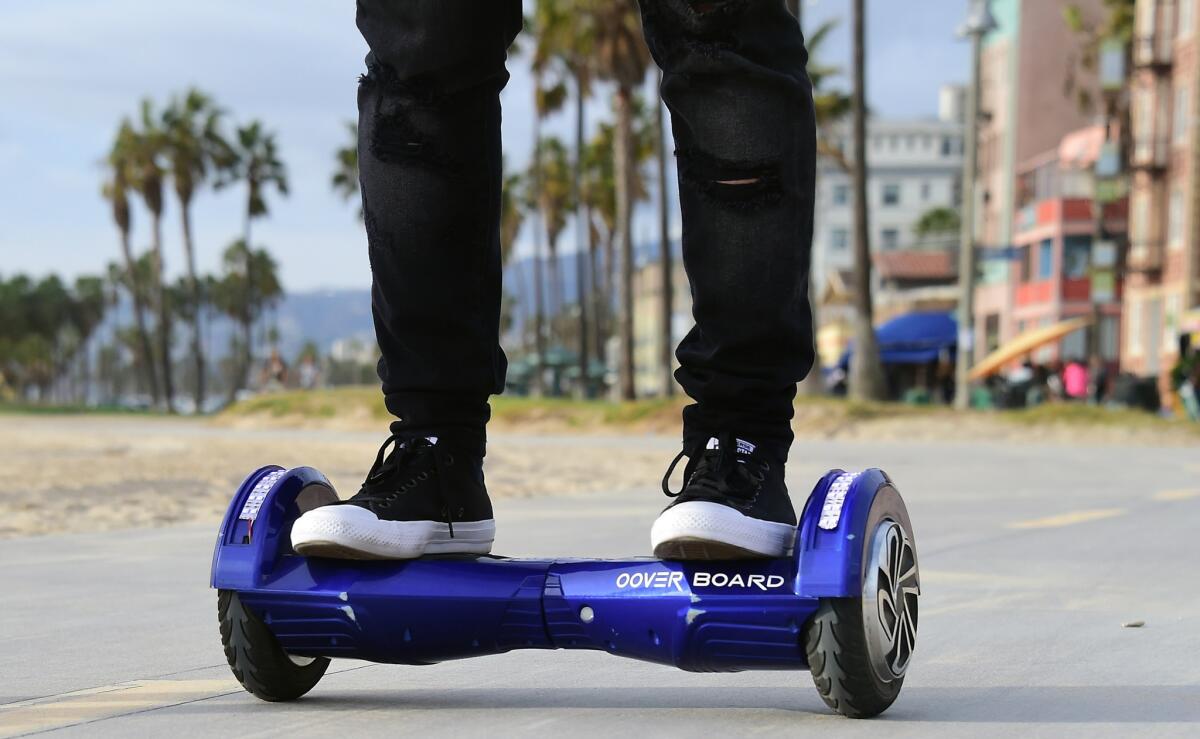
point(71, 69)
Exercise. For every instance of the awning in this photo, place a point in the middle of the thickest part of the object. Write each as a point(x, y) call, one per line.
point(913, 338)
point(1024, 344)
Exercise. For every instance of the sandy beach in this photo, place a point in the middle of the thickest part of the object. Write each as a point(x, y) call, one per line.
point(100, 472)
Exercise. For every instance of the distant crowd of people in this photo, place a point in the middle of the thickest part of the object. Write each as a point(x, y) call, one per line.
point(1075, 380)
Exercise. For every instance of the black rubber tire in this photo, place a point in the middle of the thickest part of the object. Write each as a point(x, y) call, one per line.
point(835, 641)
point(257, 660)
point(835, 637)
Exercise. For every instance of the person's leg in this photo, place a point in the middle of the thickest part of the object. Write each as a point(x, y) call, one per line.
point(741, 109)
point(430, 167)
point(430, 170)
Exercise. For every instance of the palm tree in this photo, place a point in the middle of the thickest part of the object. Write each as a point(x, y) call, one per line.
point(256, 162)
point(546, 100)
point(512, 212)
point(554, 199)
point(666, 345)
point(248, 288)
point(601, 192)
point(622, 57)
point(116, 189)
point(148, 178)
point(195, 146)
point(565, 34)
point(344, 180)
point(866, 373)
point(830, 107)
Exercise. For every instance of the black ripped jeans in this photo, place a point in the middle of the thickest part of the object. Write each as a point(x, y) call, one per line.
point(430, 162)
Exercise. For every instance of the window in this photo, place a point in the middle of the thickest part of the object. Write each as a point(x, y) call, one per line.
point(841, 194)
point(991, 332)
point(1183, 27)
point(1133, 329)
point(1110, 327)
point(891, 193)
point(1175, 217)
point(1173, 309)
point(1077, 257)
point(889, 239)
point(926, 191)
point(1046, 260)
point(839, 239)
point(1181, 123)
point(950, 146)
point(1074, 345)
point(1139, 218)
point(1025, 258)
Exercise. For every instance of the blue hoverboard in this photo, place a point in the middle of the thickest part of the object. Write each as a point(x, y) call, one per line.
point(843, 605)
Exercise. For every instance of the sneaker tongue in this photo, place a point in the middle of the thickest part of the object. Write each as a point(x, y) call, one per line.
point(743, 447)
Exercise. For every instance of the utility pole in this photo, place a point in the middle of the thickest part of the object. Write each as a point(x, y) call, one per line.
point(978, 24)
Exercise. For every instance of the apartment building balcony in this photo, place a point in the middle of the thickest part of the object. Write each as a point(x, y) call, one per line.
point(1151, 153)
point(1145, 256)
point(1154, 52)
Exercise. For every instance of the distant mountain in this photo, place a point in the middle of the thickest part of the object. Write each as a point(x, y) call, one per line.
point(326, 316)
point(323, 317)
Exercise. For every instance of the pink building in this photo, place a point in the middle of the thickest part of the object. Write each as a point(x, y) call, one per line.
point(1051, 274)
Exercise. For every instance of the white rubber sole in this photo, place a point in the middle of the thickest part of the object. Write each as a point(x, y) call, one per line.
point(350, 532)
point(703, 530)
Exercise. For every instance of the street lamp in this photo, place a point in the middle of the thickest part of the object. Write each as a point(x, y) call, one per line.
point(978, 24)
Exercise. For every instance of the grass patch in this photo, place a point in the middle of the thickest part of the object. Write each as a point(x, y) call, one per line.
point(1094, 416)
point(363, 406)
point(35, 409)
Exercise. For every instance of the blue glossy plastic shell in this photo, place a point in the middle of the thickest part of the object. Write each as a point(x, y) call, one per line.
point(700, 616)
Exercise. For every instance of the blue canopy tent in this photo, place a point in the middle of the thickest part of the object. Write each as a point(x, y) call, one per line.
point(913, 338)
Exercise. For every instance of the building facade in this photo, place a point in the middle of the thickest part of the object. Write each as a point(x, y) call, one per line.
point(1025, 114)
point(1057, 272)
point(1163, 262)
point(914, 167)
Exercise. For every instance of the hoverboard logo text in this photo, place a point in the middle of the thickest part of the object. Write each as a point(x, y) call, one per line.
point(674, 580)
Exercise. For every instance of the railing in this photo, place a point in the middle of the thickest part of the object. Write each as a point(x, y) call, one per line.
point(1145, 256)
point(1151, 152)
point(1154, 51)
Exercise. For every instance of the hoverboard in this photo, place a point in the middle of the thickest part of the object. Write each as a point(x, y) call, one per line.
point(843, 605)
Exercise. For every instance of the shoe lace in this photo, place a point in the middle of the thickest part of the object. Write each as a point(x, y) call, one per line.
point(412, 461)
point(718, 472)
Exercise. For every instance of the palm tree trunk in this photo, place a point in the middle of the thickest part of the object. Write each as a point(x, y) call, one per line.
point(536, 387)
point(581, 249)
point(243, 379)
point(555, 290)
point(139, 318)
point(623, 165)
point(666, 344)
point(539, 347)
point(164, 315)
point(597, 291)
point(194, 288)
point(866, 374)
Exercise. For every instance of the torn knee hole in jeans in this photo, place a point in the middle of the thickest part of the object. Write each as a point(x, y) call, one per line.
point(745, 184)
point(395, 136)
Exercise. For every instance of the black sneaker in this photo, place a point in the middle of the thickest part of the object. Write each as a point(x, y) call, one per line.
point(734, 505)
point(423, 498)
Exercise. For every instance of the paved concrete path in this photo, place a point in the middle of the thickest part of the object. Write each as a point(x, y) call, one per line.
point(1032, 559)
